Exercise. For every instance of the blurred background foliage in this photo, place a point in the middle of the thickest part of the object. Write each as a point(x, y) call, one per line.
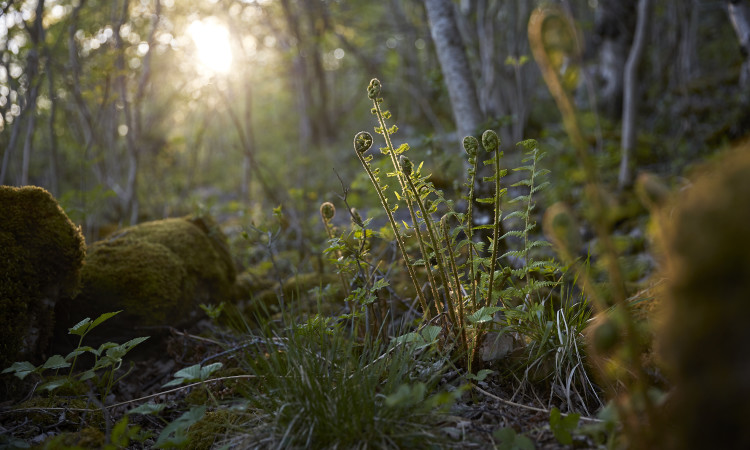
point(133, 110)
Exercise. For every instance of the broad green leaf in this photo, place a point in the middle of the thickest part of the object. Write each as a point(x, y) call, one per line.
point(431, 333)
point(407, 338)
point(148, 408)
point(54, 384)
point(98, 321)
point(563, 426)
point(188, 373)
point(120, 436)
point(20, 369)
point(407, 395)
point(81, 327)
point(510, 440)
point(55, 362)
point(480, 376)
point(87, 375)
point(209, 369)
point(179, 427)
point(105, 346)
point(483, 314)
point(80, 351)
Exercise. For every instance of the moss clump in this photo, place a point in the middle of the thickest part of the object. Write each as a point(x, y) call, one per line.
point(157, 272)
point(706, 337)
point(147, 280)
point(212, 427)
point(41, 252)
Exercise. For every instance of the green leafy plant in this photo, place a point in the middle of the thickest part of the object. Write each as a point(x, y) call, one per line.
point(467, 282)
point(360, 280)
point(108, 357)
point(509, 439)
point(175, 433)
point(563, 426)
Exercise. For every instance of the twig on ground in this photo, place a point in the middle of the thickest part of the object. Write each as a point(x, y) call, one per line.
point(532, 408)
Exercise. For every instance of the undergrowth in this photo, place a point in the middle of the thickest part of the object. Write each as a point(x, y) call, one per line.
point(464, 282)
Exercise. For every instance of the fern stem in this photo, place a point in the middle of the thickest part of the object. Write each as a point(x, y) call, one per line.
point(457, 287)
point(397, 233)
point(474, 161)
point(409, 205)
point(496, 230)
point(436, 250)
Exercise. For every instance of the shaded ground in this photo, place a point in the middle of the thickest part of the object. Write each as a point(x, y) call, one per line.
point(470, 423)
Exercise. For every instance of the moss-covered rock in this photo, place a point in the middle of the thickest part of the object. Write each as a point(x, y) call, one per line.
point(41, 252)
point(705, 339)
point(157, 272)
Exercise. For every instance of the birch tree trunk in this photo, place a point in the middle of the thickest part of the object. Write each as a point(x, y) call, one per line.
point(630, 93)
point(739, 15)
point(614, 23)
point(455, 67)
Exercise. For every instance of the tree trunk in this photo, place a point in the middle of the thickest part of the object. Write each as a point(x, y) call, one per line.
point(630, 93)
point(455, 67)
point(614, 23)
point(36, 35)
point(54, 153)
point(739, 14)
point(130, 194)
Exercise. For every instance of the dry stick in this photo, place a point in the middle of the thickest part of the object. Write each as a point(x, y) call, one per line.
point(531, 408)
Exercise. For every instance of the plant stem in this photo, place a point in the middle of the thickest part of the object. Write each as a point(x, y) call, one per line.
point(496, 230)
point(397, 233)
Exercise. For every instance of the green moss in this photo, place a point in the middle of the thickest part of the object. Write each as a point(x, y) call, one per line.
point(201, 247)
point(146, 280)
point(45, 411)
point(88, 437)
point(214, 425)
point(42, 252)
point(158, 272)
point(705, 337)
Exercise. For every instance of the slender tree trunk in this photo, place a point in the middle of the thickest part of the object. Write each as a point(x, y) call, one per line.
point(36, 35)
point(630, 93)
point(250, 148)
point(739, 14)
point(455, 67)
point(54, 154)
point(28, 142)
point(613, 32)
point(130, 192)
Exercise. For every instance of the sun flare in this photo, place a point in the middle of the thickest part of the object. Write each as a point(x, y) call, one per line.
point(211, 40)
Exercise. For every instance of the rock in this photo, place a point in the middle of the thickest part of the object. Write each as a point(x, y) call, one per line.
point(41, 252)
point(705, 338)
point(157, 272)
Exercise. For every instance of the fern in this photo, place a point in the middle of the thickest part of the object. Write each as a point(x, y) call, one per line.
point(530, 266)
point(466, 281)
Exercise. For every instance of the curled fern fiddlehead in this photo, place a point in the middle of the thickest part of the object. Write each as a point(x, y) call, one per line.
point(327, 211)
point(362, 141)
